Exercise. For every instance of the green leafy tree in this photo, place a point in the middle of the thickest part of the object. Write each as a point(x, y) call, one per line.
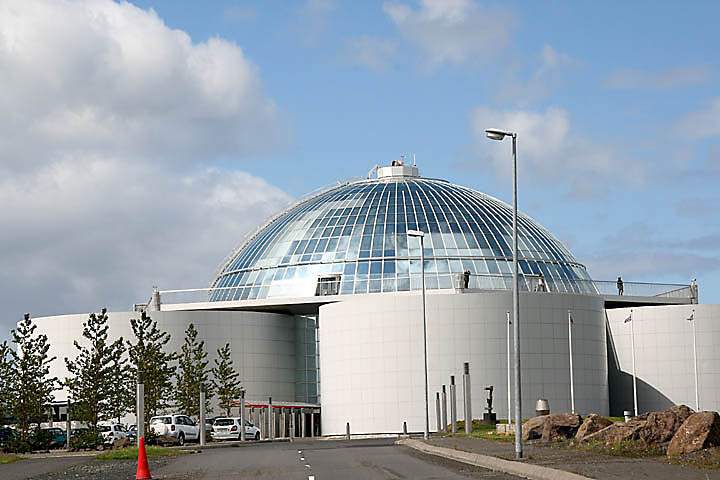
point(122, 396)
point(31, 383)
point(193, 374)
point(151, 364)
point(92, 372)
point(5, 381)
point(226, 379)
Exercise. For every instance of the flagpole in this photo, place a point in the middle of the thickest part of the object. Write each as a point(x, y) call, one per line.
point(572, 380)
point(632, 340)
point(697, 392)
point(508, 371)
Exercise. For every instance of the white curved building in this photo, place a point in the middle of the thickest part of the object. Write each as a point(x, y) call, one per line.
point(322, 307)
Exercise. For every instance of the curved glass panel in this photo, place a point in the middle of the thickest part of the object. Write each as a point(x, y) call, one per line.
point(353, 239)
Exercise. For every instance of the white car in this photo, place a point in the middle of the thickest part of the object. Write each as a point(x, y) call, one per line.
point(111, 432)
point(228, 428)
point(176, 429)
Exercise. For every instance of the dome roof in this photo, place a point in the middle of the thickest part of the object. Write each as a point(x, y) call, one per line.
point(352, 238)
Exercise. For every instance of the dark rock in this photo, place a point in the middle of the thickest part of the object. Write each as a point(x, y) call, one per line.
point(533, 428)
point(592, 423)
point(700, 430)
point(560, 426)
point(661, 426)
point(618, 432)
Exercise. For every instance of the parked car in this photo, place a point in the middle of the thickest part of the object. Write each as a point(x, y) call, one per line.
point(7, 437)
point(112, 432)
point(54, 437)
point(132, 433)
point(228, 428)
point(176, 429)
point(82, 438)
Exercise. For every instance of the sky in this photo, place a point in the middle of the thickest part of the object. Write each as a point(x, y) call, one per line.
point(140, 142)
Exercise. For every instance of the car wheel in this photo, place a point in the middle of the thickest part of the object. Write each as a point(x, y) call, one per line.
point(181, 439)
point(257, 436)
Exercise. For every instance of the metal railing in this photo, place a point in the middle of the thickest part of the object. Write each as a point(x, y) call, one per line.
point(333, 284)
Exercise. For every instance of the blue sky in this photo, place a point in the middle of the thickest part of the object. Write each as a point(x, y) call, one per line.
point(198, 119)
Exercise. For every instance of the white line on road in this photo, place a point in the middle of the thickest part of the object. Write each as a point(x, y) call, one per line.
point(311, 477)
point(308, 466)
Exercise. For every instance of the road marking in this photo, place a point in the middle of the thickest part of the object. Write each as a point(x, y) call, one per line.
point(302, 458)
point(311, 477)
point(308, 466)
point(299, 451)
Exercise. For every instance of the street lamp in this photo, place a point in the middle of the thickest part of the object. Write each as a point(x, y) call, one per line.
point(421, 236)
point(497, 134)
point(691, 319)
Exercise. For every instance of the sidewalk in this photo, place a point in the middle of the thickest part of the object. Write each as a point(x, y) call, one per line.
point(588, 464)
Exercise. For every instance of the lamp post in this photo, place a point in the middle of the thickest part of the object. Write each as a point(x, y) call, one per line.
point(496, 134)
point(421, 236)
point(509, 382)
point(572, 376)
point(629, 320)
point(691, 319)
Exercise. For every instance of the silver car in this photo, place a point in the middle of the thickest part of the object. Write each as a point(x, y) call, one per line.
point(175, 429)
point(228, 428)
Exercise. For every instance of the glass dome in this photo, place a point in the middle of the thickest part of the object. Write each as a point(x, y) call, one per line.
point(352, 239)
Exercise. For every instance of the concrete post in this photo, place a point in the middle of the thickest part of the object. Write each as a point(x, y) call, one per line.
point(453, 405)
point(438, 420)
point(68, 426)
point(270, 422)
point(347, 431)
point(202, 417)
point(140, 411)
point(467, 398)
point(443, 409)
point(312, 424)
point(292, 423)
point(283, 424)
point(156, 302)
point(404, 428)
point(302, 423)
point(242, 415)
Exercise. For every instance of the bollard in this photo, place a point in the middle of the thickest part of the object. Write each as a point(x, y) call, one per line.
point(312, 424)
point(467, 398)
point(438, 420)
point(627, 414)
point(404, 428)
point(347, 431)
point(443, 409)
point(202, 417)
point(453, 405)
point(68, 426)
point(270, 423)
point(140, 411)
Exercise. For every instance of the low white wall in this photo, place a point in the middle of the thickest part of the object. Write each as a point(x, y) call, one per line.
point(371, 355)
point(263, 344)
point(664, 357)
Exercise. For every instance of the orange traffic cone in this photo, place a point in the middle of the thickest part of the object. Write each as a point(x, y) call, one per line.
point(143, 470)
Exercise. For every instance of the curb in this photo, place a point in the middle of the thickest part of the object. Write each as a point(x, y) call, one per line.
point(525, 470)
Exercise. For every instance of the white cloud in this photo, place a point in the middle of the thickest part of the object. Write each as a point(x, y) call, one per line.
point(549, 149)
point(111, 123)
point(703, 123)
point(452, 31)
point(371, 52)
point(544, 77)
point(113, 77)
point(632, 79)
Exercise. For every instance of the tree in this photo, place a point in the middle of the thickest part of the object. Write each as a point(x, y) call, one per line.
point(91, 383)
point(5, 381)
point(226, 381)
point(31, 383)
point(193, 374)
point(151, 365)
point(122, 396)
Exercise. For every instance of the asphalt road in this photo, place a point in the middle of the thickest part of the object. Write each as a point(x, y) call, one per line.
point(320, 460)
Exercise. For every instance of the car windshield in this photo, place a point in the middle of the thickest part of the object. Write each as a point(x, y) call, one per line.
point(224, 422)
point(104, 428)
point(166, 420)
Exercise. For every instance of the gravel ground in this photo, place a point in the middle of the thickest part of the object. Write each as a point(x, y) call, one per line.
point(102, 470)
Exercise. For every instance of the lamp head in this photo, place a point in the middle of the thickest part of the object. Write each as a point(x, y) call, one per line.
point(415, 233)
point(496, 133)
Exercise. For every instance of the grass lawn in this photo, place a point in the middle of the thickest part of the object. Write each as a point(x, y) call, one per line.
point(481, 430)
point(8, 458)
point(131, 453)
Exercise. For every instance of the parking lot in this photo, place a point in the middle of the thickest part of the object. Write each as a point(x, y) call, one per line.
point(302, 460)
